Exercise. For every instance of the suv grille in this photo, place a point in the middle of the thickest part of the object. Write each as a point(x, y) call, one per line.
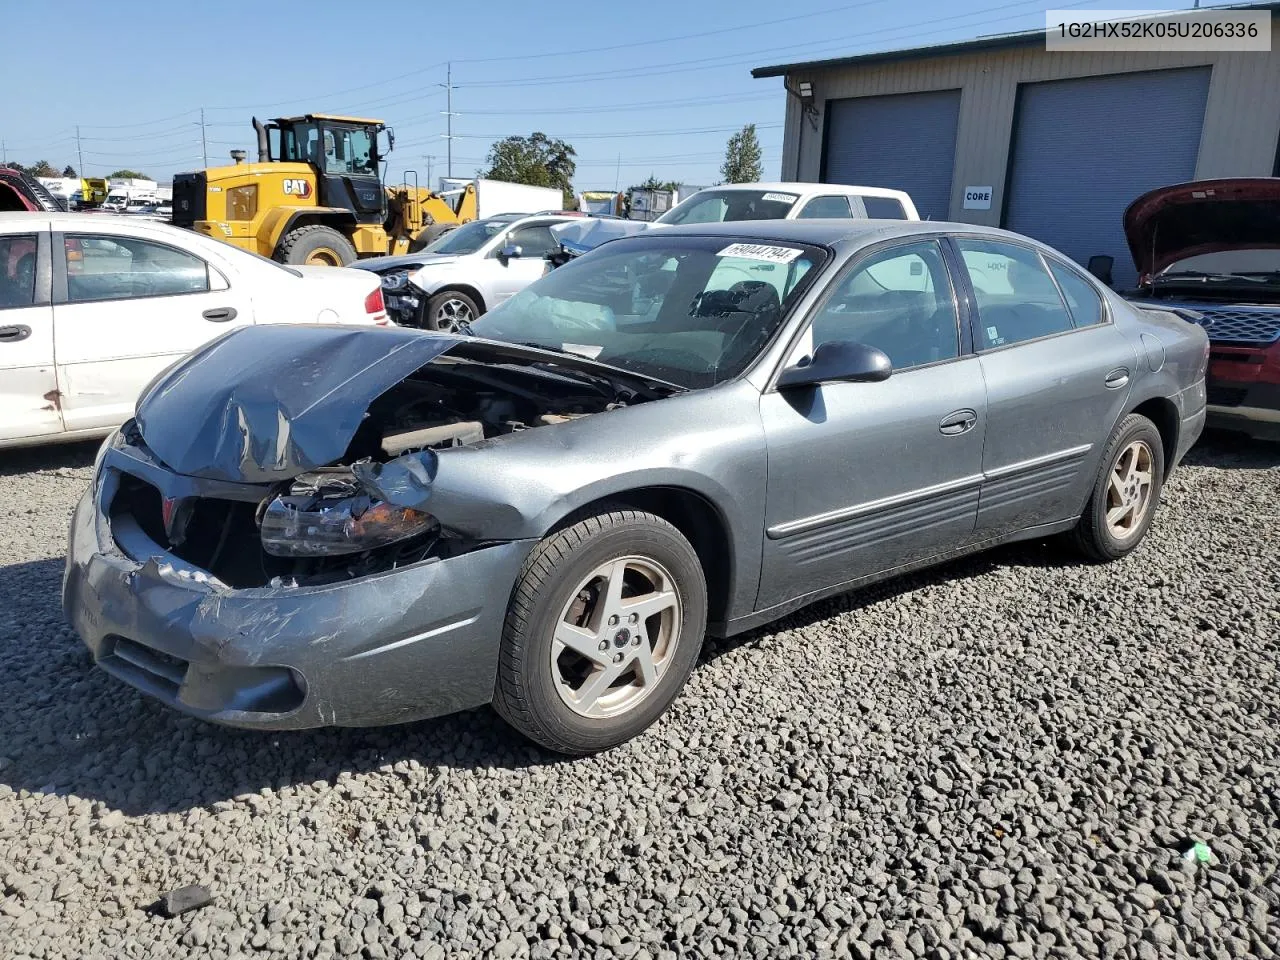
point(1241, 324)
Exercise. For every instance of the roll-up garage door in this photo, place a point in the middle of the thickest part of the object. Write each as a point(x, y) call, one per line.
point(1084, 149)
point(903, 141)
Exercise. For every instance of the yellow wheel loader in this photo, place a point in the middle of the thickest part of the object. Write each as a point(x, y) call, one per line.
point(316, 196)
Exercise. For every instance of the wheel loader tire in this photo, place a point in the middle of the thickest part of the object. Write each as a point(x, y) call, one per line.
point(430, 235)
point(315, 245)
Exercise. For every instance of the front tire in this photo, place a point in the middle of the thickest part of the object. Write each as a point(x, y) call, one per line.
point(1125, 493)
point(603, 629)
point(315, 245)
point(450, 311)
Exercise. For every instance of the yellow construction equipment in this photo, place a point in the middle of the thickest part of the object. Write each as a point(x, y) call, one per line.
point(316, 195)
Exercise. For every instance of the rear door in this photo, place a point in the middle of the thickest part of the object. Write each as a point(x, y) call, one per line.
point(28, 378)
point(125, 307)
point(1057, 374)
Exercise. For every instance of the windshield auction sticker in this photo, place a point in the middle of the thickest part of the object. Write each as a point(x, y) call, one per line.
point(760, 251)
point(780, 197)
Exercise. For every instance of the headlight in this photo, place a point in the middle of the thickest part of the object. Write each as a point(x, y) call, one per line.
point(326, 515)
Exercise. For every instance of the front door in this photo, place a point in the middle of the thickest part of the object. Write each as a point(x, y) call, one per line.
point(508, 278)
point(867, 477)
point(125, 308)
point(1057, 374)
point(28, 381)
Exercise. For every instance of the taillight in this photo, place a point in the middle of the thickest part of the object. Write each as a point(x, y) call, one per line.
point(373, 302)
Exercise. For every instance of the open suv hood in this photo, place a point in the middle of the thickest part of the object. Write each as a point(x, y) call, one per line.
point(1184, 220)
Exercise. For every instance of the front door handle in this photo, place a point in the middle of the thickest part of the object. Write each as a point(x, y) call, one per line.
point(962, 421)
point(220, 314)
point(14, 333)
point(1117, 378)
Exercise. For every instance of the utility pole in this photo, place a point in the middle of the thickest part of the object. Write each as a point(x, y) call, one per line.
point(449, 115)
point(79, 152)
point(204, 145)
point(4, 153)
point(429, 159)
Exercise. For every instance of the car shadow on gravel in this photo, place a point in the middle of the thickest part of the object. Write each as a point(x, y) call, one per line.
point(1233, 451)
point(70, 729)
point(57, 456)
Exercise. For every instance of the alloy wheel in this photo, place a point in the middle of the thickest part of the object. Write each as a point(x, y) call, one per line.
point(616, 637)
point(1129, 490)
point(452, 315)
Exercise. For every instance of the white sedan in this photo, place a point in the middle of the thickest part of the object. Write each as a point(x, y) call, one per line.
point(92, 307)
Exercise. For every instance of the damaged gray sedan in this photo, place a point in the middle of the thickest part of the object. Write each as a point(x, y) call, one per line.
point(694, 430)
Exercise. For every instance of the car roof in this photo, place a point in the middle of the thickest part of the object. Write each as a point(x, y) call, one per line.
point(810, 189)
point(839, 232)
point(77, 221)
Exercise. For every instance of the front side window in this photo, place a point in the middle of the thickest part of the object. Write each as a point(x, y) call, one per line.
point(820, 208)
point(301, 144)
point(694, 311)
point(534, 240)
point(118, 268)
point(1017, 299)
point(349, 151)
point(899, 301)
point(17, 271)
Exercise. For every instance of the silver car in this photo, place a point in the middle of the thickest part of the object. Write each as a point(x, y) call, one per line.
point(690, 431)
point(467, 271)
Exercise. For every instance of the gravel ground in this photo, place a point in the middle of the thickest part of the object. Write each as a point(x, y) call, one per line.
point(1005, 757)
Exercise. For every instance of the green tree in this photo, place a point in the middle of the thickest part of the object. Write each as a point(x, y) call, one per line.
point(536, 160)
point(742, 157)
point(127, 175)
point(39, 169)
point(69, 171)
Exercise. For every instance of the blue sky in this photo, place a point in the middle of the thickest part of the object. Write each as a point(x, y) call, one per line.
point(637, 88)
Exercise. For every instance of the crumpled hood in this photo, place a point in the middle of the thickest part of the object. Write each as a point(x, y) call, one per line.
point(382, 264)
point(263, 404)
point(1204, 216)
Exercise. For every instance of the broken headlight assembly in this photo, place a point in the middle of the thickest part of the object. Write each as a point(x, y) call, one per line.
point(327, 514)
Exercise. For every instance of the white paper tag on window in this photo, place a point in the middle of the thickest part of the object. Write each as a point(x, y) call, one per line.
point(993, 336)
point(760, 251)
point(781, 197)
point(588, 350)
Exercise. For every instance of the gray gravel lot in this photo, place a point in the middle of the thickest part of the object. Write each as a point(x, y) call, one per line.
point(1002, 758)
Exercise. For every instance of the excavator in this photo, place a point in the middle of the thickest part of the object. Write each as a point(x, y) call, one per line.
point(316, 195)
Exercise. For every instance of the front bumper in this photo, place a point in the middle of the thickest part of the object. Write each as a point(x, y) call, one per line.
point(420, 641)
point(1244, 389)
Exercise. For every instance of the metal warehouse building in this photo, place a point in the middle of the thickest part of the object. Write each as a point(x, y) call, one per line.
point(1063, 140)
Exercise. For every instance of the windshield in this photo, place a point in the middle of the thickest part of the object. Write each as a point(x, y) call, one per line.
point(469, 237)
point(720, 206)
point(693, 311)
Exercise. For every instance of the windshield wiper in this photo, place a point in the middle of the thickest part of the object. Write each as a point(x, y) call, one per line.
point(1203, 277)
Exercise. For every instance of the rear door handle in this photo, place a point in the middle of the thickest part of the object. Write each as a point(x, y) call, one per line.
point(220, 314)
point(14, 333)
point(962, 421)
point(1117, 378)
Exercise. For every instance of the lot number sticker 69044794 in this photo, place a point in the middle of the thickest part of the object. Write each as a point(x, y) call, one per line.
point(760, 251)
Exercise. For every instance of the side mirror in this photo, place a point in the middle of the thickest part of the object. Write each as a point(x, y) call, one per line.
point(838, 360)
point(510, 251)
point(1100, 266)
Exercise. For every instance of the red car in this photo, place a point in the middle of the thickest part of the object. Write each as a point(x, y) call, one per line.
point(19, 191)
point(1211, 249)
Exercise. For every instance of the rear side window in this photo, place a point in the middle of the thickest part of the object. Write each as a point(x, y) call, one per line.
point(121, 268)
point(825, 208)
point(884, 208)
point(1017, 299)
point(1082, 300)
point(17, 271)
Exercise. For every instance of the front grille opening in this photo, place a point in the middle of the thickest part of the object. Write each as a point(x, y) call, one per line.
point(160, 668)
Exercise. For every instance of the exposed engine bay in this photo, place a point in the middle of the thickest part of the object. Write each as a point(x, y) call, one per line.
point(369, 510)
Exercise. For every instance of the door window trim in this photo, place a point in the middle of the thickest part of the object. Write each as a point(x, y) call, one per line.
point(42, 291)
point(960, 308)
point(961, 279)
point(62, 298)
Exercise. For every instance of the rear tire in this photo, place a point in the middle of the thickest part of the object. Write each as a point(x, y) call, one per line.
point(429, 235)
point(1125, 492)
point(315, 245)
point(584, 667)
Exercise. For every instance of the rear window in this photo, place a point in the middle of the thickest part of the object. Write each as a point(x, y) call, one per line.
point(884, 208)
point(724, 206)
